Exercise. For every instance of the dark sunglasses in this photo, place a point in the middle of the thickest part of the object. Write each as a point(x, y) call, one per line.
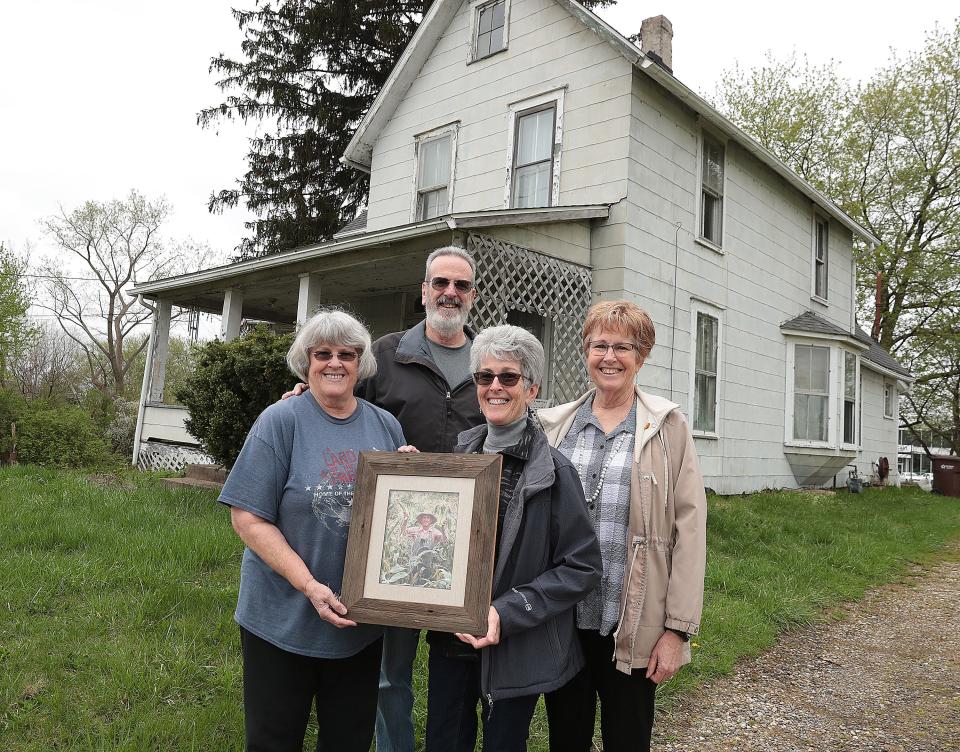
point(442, 283)
point(345, 356)
point(507, 378)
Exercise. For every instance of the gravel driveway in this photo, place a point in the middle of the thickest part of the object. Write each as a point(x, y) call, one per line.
point(886, 677)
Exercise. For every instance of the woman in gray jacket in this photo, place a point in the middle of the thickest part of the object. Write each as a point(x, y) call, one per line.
point(547, 559)
point(634, 454)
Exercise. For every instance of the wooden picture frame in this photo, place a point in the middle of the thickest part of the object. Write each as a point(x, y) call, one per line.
point(422, 539)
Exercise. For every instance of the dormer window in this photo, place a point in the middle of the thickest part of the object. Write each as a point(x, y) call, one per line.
point(490, 28)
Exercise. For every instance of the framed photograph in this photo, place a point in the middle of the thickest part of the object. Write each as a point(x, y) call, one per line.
point(422, 535)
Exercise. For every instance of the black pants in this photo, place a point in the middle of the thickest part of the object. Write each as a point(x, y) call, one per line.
point(626, 703)
point(279, 687)
point(452, 695)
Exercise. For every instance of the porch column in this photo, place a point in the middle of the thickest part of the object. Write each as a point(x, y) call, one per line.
point(232, 314)
point(161, 348)
point(309, 298)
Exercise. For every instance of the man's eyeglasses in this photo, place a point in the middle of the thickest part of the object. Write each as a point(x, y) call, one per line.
point(345, 356)
point(442, 283)
point(619, 348)
point(507, 378)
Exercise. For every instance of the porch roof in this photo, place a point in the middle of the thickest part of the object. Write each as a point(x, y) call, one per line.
point(353, 264)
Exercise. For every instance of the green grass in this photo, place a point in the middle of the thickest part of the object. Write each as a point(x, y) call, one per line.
point(117, 596)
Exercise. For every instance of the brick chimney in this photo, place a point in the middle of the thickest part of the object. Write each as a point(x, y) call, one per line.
point(656, 41)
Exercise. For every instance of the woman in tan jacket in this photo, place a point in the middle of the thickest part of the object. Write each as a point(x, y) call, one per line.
point(641, 478)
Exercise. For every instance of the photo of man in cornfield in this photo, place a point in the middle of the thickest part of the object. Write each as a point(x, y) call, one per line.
point(419, 539)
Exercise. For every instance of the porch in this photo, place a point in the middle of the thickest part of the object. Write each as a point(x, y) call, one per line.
point(544, 286)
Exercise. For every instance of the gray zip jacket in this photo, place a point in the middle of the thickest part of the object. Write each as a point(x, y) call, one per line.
point(548, 560)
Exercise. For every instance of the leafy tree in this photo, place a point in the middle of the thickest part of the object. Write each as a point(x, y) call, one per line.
point(115, 244)
point(888, 151)
point(16, 332)
point(49, 366)
point(230, 385)
point(309, 71)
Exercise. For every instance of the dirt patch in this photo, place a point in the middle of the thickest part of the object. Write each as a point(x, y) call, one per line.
point(886, 676)
point(111, 481)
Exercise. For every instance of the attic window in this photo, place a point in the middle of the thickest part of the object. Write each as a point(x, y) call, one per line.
point(490, 29)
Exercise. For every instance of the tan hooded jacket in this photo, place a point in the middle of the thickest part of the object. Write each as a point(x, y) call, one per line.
point(663, 584)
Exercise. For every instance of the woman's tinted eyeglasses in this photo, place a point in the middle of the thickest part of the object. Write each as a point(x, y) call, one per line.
point(507, 378)
point(442, 283)
point(345, 356)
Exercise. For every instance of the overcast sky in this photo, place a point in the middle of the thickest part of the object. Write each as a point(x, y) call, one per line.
point(101, 96)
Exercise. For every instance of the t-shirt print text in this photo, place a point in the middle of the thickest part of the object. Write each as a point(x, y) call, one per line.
point(333, 494)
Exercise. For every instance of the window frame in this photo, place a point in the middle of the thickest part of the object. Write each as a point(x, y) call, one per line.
point(856, 416)
point(821, 296)
point(703, 137)
point(889, 399)
point(450, 130)
point(477, 8)
point(698, 308)
point(832, 396)
point(530, 106)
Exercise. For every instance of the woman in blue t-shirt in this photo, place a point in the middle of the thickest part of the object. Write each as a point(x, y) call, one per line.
point(290, 494)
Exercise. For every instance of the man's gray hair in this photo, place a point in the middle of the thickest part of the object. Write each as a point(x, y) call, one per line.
point(451, 250)
point(336, 327)
point(510, 342)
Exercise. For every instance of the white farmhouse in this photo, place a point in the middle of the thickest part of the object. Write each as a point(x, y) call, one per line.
point(577, 168)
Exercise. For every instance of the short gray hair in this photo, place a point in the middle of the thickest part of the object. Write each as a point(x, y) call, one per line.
point(335, 327)
point(510, 342)
point(450, 250)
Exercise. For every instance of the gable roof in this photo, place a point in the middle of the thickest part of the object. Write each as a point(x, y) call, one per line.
point(809, 322)
point(359, 151)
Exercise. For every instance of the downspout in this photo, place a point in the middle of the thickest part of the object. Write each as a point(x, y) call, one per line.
point(145, 388)
point(673, 311)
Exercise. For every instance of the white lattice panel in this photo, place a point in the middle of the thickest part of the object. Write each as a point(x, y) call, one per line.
point(170, 457)
point(510, 277)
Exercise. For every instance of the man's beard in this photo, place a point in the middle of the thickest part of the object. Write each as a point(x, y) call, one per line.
point(448, 322)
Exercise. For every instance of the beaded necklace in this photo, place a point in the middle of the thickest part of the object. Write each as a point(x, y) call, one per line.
point(582, 470)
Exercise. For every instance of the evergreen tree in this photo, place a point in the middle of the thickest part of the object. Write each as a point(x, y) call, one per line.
point(310, 69)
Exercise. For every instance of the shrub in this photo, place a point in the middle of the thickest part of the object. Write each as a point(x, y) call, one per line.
point(122, 426)
point(231, 384)
point(50, 434)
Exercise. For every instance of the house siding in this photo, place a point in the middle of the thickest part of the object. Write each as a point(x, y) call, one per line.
point(549, 49)
point(878, 435)
point(761, 279)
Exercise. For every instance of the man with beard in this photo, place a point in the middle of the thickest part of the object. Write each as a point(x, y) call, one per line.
point(423, 378)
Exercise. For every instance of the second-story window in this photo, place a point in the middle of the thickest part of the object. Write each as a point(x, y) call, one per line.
point(821, 251)
point(711, 191)
point(533, 157)
point(491, 28)
point(435, 152)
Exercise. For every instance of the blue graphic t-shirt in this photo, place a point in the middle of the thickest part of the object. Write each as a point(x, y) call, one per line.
point(297, 470)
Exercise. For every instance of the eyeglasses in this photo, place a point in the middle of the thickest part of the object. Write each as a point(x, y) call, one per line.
point(507, 378)
point(345, 356)
point(619, 348)
point(442, 283)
